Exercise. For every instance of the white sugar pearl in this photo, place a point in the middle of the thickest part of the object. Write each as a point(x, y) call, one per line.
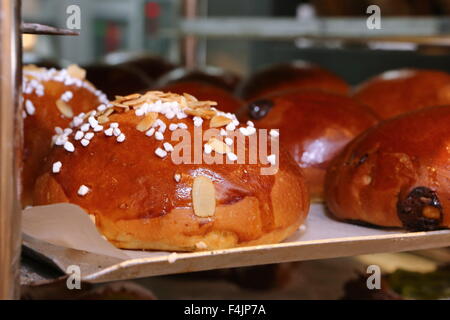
point(244, 131)
point(29, 107)
point(274, 133)
point(182, 125)
point(251, 130)
point(58, 130)
point(85, 127)
point(83, 190)
point(229, 141)
point(160, 152)
point(117, 132)
point(89, 135)
point(207, 148)
point(113, 125)
point(79, 135)
point(150, 132)
point(101, 107)
point(272, 159)
point(98, 128)
point(168, 147)
point(231, 156)
point(56, 168)
point(177, 177)
point(121, 138)
point(69, 146)
point(159, 136)
point(223, 132)
point(93, 122)
point(250, 123)
point(230, 127)
point(109, 132)
point(173, 127)
point(84, 142)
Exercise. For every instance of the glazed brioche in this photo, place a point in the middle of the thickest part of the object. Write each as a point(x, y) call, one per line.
point(125, 176)
point(400, 91)
point(395, 174)
point(51, 98)
point(314, 125)
point(289, 76)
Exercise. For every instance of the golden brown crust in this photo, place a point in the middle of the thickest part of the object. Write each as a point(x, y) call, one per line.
point(395, 174)
point(291, 76)
point(400, 91)
point(314, 127)
point(138, 203)
point(39, 126)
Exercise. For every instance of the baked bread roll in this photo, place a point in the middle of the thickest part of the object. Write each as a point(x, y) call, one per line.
point(399, 91)
point(293, 75)
point(51, 98)
point(205, 91)
point(314, 126)
point(395, 174)
point(127, 174)
point(117, 80)
point(213, 76)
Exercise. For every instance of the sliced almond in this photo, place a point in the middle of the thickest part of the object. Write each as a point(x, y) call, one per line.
point(203, 197)
point(64, 108)
point(189, 97)
point(218, 146)
point(202, 104)
point(102, 119)
point(75, 71)
point(203, 113)
point(219, 121)
point(147, 122)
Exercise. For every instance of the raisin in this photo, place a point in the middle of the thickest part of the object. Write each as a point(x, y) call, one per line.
point(259, 109)
point(414, 210)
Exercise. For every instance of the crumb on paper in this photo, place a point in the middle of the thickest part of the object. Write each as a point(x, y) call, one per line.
point(201, 245)
point(172, 257)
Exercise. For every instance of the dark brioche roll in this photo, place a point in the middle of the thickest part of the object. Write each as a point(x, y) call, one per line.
point(293, 75)
point(314, 126)
point(51, 98)
point(204, 91)
point(399, 91)
point(396, 174)
point(210, 75)
point(117, 79)
point(153, 66)
point(124, 174)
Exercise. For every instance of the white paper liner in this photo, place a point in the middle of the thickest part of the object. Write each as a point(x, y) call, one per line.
point(67, 225)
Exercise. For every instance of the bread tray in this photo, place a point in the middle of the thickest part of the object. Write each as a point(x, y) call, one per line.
point(322, 238)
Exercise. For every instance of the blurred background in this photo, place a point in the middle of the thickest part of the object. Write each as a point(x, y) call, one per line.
point(243, 36)
point(150, 38)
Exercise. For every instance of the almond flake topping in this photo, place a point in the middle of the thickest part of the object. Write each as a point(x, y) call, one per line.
point(203, 197)
point(64, 108)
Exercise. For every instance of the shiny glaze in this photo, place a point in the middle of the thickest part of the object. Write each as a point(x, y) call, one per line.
point(399, 91)
point(203, 91)
point(128, 181)
point(314, 126)
point(294, 75)
point(407, 153)
point(39, 128)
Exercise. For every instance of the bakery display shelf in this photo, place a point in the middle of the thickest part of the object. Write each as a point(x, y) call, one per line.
point(421, 30)
point(322, 238)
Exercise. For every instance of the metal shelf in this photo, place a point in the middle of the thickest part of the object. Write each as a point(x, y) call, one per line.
point(287, 28)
